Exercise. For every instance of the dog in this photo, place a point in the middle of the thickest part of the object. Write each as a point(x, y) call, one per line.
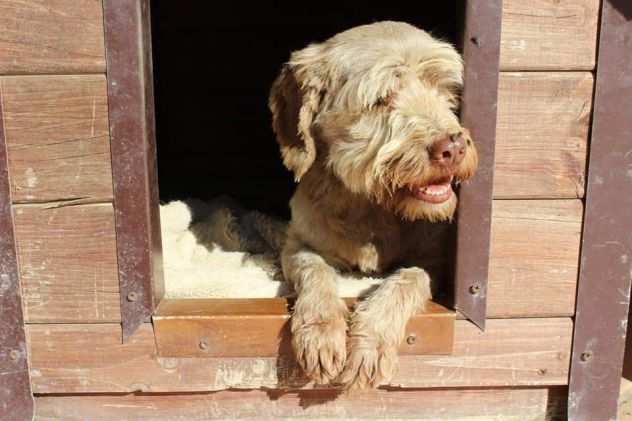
point(367, 123)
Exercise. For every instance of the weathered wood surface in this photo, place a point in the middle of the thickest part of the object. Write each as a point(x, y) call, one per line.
point(66, 36)
point(51, 36)
point(89, 358)
point(454, 405)
point(67, 261)
point(57, 132)
point(534, 257)
point(206, 328)
point(57, 137)
point(542, 134)
point(549, 34)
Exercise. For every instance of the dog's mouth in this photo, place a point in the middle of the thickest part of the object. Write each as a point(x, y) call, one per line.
point(438, 192)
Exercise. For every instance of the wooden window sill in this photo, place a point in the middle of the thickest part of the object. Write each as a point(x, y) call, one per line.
point(205, 328)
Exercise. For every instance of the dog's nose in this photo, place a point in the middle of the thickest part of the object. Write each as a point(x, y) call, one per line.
point(448, 151)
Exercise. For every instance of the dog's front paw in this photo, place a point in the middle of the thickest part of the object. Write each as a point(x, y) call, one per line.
point(368, 365)
point(319, 342)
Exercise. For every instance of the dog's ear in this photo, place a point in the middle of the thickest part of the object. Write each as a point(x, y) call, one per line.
point(294, 101)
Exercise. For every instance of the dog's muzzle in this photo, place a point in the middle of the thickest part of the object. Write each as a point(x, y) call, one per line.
point(448, 152)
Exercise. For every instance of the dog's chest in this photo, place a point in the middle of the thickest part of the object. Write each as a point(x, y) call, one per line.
point(370, 248)
point(375, 256)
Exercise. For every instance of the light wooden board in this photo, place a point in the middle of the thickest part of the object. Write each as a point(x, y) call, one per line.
point(57, 133)
point(78, 358)
point(57, 137)
point(67, 261)
point(51, 36)
point(69, 274)
point(66, 36)
point(549, 34)
point(454, 405)
point(534, 257)
point(207, 328)
point(542, 134)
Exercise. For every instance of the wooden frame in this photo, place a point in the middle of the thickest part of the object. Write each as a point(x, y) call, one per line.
point(602, 312)
point(481, 50)
point(135, 187)
point(134, 168)
point(206, 328)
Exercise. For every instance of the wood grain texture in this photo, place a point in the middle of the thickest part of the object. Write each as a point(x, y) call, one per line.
point(79, 358)
point(549, 34)
point(533, 268)
point(67, 261)
point(534, 257)
point(51, 36)
point(57, 137)
point(542, 134)
point(454, 405)
point(16, 399)
point(57, 133)
point(207, 328)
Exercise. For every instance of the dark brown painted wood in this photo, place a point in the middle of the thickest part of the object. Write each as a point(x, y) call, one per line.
point(481, 50)
point(16, 399)
point(606, 259)
point(227, 328)
point(134, 170)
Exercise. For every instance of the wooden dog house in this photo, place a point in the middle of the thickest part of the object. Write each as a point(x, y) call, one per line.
point(542, 247)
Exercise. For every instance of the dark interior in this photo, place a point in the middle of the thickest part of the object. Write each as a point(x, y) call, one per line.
point(213, 68)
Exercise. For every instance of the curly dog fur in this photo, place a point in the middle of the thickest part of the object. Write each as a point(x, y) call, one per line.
point(366, 122)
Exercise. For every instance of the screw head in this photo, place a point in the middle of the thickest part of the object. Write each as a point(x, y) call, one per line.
point(132, 296)
point(14, 354)
point(203, 345)
point(542, 371)
point(475, 289)
point(586, 356)
point(411, 339)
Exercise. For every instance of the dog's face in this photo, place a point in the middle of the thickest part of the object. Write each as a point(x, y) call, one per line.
point(376, 106)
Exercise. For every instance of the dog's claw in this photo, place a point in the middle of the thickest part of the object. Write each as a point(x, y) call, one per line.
point(320, 346)
point(367, 366)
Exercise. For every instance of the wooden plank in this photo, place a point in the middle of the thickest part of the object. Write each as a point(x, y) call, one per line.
point(553, 151)
point(206, 328)
point(67, 260)
point(456, 404)
point(605, 273)
point(64, 119)
point(134, 160)
point(481, 51)
point(543, 122)
point(534, 257)
point(51, 36)
point(533, 268)
point(549, 34)
point(57, 137)
point(16, 399)
point(80, 358)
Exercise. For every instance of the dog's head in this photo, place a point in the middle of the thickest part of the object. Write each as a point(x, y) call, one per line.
point(375, 105)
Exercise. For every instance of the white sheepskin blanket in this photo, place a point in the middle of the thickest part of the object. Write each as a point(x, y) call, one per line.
point(196, 267)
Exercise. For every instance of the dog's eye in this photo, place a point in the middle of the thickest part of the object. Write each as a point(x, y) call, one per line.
point(384, 101)
point(381, 102)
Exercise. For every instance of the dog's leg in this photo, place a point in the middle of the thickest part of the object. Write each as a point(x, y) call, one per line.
point(378, 326)
point(319, 322)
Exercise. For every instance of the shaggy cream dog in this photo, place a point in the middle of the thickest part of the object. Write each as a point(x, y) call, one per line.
point(366, 123)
